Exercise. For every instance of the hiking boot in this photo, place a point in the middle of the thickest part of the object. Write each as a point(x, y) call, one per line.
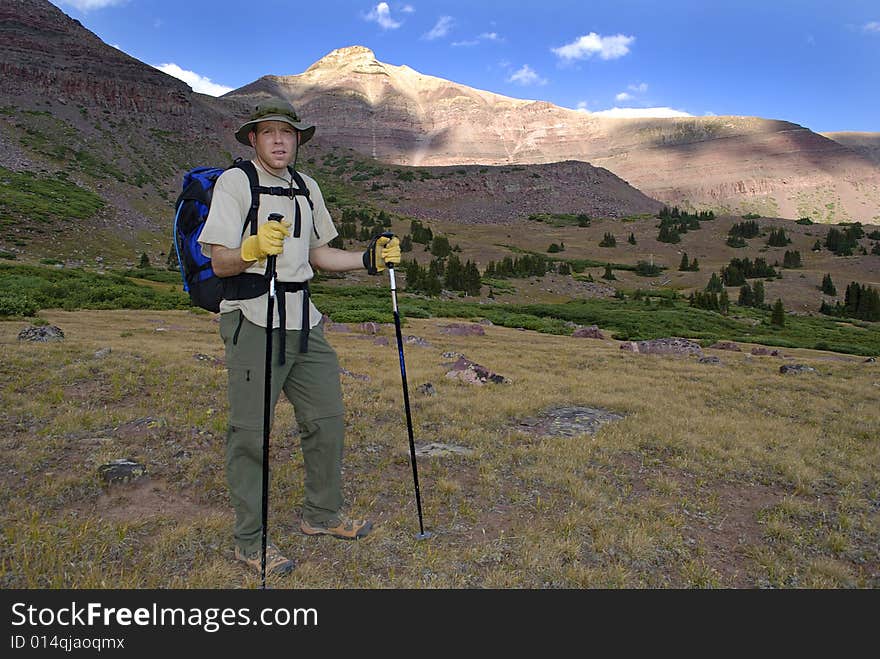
point(348, 529)
point(276, 562)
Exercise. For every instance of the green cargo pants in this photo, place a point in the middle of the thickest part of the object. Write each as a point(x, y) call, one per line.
point(310, 381)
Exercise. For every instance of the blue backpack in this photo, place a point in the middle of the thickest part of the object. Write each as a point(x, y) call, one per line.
point(205, 288)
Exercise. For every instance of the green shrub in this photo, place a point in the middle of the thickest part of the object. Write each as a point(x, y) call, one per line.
point(17, 304)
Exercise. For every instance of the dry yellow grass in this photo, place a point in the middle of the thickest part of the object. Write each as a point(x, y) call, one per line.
point(727, 475)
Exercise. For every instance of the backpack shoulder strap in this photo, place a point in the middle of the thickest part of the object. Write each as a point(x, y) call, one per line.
point(303, 188)
point(254, 182)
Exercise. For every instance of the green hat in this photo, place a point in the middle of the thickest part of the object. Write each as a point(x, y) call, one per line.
point(274, 110)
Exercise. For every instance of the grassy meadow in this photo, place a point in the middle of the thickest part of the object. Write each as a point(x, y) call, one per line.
point(727, 475)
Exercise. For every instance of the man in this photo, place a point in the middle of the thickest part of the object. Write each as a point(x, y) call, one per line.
point(304, 365)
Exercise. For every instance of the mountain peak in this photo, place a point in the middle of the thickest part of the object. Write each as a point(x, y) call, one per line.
point(348, 56)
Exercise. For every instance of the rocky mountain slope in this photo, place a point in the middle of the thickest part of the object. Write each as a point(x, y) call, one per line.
point(867, 144)
point(125, 132)
point(742, 164)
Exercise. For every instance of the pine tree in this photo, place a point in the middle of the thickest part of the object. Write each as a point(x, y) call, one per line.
point(632, 239)
point(746, 296)
point(608, 240)
point(758, 290)
point(608, 273)
point(684, 266)
point(454, 274)
point(778, 238)
point(777, 316)
point(871, 305)
point(828, 286)
point(171, 262)
point(440, 246)
point(695, 266)
point(714, 285)
point(472, 280)
point(145, 261)
point(668, 234)
point(724, 302)
point(792, 259)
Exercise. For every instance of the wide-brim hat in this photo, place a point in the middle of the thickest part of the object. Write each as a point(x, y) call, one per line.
point(274, 110)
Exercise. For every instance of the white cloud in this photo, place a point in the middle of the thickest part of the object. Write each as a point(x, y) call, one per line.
point(582, 107)
point(640, 88)
point(637, 113)
point(873, 26)
point(86, 5)
point(485, 36)
point(198, 83)
point(381, 14)
point(440, 29)
point(526, 76)
point(594, 44)
point(407, 9)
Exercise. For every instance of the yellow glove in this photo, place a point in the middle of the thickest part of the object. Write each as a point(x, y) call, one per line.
point(382, 249)
point(268, 241)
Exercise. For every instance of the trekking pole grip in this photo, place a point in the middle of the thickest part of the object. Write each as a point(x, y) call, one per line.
point(270, 260)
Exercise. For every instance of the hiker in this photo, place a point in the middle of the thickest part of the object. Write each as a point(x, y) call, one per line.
point(304, 366)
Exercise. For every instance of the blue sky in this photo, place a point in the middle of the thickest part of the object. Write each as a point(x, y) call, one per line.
point(815, 63)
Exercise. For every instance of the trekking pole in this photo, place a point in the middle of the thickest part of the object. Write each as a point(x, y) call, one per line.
point(267, 396)
point(412, 447)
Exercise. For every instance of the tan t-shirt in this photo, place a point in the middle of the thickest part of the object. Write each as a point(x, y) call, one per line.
point(229, 207)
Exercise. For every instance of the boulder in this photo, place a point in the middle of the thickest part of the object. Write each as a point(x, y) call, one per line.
point(471, 373)
point(369, 327)
point(796, 369)
point(667, 346)
point(123, 470)
point(726, 345)
point(591, 332)
point(41, 333)
point(766, 351)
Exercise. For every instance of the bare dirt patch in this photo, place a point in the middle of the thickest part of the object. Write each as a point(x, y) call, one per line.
point(148, 498)
point(728, 530)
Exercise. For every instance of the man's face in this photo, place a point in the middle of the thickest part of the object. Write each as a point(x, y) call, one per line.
point(275, 143)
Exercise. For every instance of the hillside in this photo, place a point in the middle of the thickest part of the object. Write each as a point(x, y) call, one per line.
point(124, 133)
point(867, 144)
point(732, 164)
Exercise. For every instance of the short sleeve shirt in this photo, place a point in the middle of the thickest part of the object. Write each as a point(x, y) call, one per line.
point(229, 208)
